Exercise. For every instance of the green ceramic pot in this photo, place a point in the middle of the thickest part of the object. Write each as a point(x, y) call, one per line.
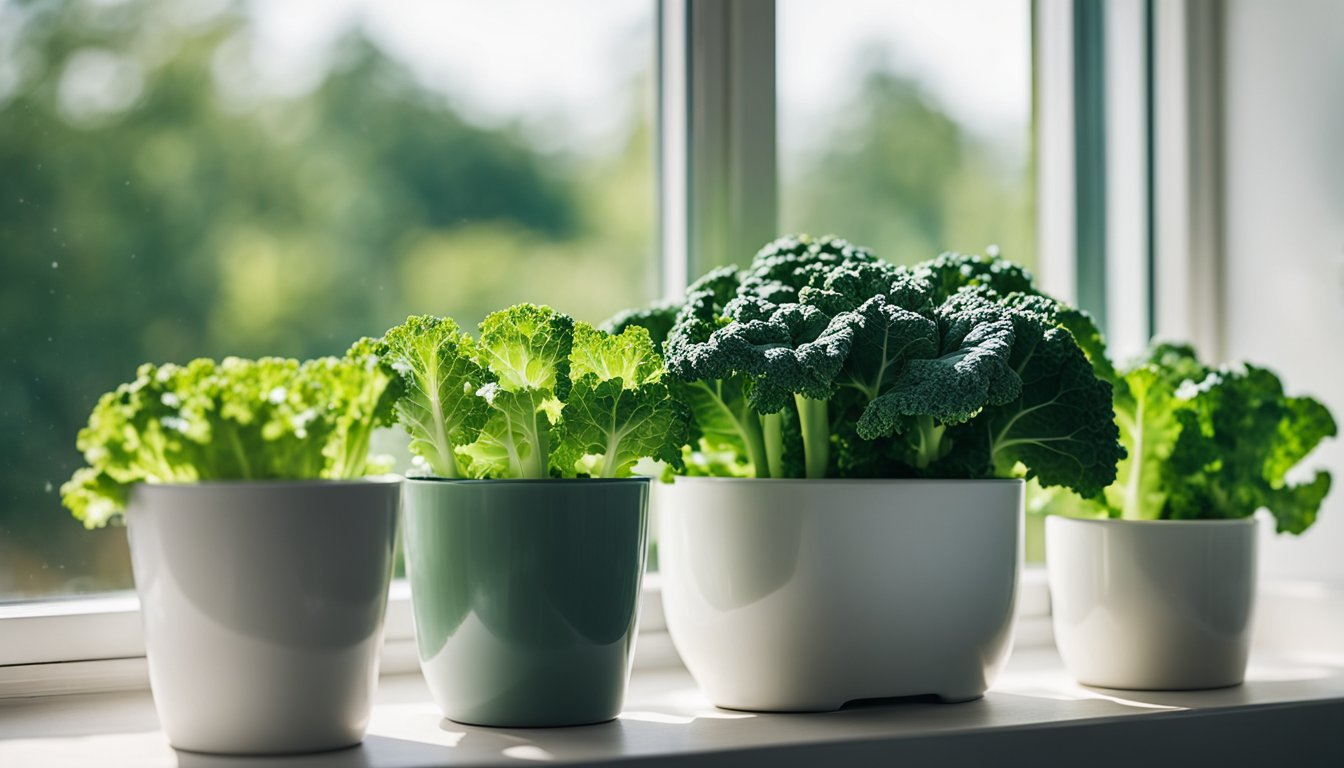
point(526, 595)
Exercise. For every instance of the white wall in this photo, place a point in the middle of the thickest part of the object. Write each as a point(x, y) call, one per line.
point(1283, 230)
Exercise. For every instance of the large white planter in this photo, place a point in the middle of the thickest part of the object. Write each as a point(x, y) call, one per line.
point(803, 595)
point(263, 609)
point(1152, 605)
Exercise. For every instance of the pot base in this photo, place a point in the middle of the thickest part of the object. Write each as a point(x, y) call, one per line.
point(510, 723)
point(286, 751)
point(1165, 686)
point(866, 701)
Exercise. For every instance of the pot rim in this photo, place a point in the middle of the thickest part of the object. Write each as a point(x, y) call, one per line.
point(851, 480)
point(563, 481)
point(279, 483)
point(1236, 522)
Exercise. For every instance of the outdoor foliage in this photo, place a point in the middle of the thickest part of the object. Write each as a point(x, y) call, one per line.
point(186, 221)
point(187, 224)
point(898, 173)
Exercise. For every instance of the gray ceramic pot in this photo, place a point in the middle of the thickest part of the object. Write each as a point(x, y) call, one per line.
point(263, 609)
point(525, 595)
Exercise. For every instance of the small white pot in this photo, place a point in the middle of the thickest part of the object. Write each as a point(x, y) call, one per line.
point(1152, 605)
point(263, 609)
point(803, 595)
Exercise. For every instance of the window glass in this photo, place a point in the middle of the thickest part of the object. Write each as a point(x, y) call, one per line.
point(206, 178)
point(905, 125)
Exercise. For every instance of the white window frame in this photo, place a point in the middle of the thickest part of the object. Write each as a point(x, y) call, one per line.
point(1187, 173)
point(1094, 193)
point(96, 644)
point(718, 187)
point(717, 147)
point(1162, 168)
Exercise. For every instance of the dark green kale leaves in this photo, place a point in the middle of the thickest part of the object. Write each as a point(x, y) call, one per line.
point(820, 360)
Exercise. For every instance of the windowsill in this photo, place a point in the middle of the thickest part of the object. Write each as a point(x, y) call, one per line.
point(1287, 712)
point(1034, 710)
point(95, 644)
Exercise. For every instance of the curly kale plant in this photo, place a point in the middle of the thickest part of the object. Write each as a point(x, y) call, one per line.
point(820, 360)
point(1211, 443)
point(537, 396)
point(234, 420)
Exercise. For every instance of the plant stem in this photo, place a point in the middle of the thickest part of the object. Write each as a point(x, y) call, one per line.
point(447, 457)
point(932, 445)
point(356, 445)
point(243, 463)
point(609, 463)
point(772, 426)
point(814, 418)
point(535, 466)
point(1133, 506)
point(750, 425)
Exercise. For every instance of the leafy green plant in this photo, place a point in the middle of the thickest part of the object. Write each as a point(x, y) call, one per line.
point(237, 419)
point(537, 396)
point(1211, 443)
point(821, 360)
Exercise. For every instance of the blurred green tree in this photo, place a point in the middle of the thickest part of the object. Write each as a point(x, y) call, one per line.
point(156, 204)
point(185, 221)
point(894, 172)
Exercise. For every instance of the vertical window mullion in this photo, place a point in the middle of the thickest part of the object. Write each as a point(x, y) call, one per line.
point(1127, 152)
point(1187, 146)
point(717, 145)
point(1095, 145)
point(673, 140)
point(1056, 178)
point(1089, 98)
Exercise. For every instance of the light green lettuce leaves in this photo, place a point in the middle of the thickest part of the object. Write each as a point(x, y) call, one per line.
point(1213, 443)
point(516, 440)
point(237, 419)
point(1145, 411)
point(629, 356)
point(540, 396)
point(618, 410)
point(527, 347)
point(1239, 435)
point(612, 427)
point(440, 406)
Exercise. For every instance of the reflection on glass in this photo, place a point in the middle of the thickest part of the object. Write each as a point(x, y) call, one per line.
point(180, 179)
point(906, 125)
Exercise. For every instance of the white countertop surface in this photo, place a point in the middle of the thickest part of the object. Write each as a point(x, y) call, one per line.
point(1289, 712)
